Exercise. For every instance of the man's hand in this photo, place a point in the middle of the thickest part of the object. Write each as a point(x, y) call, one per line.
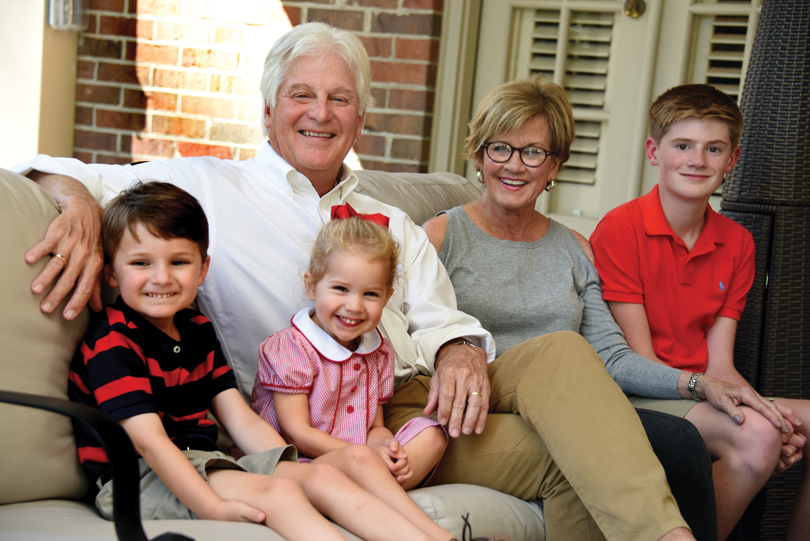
point(460, 383)
point(75, 235)
point(727, 396)
point(394, 456)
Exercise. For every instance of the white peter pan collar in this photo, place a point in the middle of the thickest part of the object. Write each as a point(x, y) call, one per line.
point(327, 346)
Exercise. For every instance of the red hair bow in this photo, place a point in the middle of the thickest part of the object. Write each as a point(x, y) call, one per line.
point(341, 212)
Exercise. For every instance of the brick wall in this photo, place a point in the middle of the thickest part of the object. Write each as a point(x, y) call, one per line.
point(170, 78)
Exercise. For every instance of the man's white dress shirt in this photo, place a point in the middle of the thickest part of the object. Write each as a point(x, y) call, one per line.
point(263, 216)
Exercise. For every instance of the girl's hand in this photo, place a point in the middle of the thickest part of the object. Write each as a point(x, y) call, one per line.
point(394, 456)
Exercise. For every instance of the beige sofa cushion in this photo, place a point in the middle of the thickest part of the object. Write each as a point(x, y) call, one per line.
point(39, 454)
point(421, 196)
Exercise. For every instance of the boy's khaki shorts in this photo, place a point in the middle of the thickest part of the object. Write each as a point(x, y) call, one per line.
point(158, 502)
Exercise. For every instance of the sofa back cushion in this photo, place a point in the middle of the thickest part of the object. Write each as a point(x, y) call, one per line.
point(421, 196)
point(39, 454)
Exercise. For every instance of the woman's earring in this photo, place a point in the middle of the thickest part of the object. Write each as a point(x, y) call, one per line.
point(481, 178)
point(550, 186)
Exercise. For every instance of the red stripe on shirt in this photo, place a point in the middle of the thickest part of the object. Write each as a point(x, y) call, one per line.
point(95, 454)
point(112, 340)
point(219, 371)
point(115, 316)
point(170, 377)
point(200, 417)
point(199, 320)
point(202, 370)
point(180, 376)
point(77, 381)
point(127, 384)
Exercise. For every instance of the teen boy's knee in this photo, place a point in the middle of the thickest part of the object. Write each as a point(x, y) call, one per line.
point(759, 442)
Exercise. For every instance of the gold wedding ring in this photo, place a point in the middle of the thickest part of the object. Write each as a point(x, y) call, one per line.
point(60, 256)
point(476, 393)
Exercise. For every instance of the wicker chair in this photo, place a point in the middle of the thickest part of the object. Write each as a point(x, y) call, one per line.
point(769, 193)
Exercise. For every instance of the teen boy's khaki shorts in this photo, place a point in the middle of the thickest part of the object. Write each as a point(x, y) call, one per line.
point(158, 502)
point(678, 408)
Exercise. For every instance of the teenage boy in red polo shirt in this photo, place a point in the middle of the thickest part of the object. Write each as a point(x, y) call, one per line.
point(675, 275)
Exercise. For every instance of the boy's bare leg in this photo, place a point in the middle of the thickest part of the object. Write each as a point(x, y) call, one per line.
point(424, 452)
point(800, 521)
point(287, 509)
point(364, 466)
point(746, 456)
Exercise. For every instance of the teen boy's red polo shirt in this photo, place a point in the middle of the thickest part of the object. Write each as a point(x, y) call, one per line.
point(641, 260)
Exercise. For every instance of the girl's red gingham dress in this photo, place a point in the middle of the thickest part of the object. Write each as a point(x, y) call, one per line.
point(344, 387)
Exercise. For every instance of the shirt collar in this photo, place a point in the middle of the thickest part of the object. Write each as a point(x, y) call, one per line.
point(326, 345)
point(655, 222)
point(288, 179)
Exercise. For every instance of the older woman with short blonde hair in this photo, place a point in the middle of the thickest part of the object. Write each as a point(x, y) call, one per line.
point(524, 275)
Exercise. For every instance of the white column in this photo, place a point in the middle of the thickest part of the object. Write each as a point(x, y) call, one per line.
point(37, 83)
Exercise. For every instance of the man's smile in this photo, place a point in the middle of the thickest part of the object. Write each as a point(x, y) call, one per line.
point(317, 134)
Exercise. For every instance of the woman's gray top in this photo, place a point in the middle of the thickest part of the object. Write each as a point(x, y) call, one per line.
point(519, 290)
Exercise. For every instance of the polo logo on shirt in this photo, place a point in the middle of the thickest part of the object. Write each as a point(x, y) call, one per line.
point(722, 286)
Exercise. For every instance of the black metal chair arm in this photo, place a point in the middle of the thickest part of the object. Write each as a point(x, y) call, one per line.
point(121, 453)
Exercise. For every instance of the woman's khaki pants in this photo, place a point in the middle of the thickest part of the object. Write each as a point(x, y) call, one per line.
point(561, 430)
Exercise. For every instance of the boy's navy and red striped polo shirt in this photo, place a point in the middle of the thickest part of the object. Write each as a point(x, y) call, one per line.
point(126, 366)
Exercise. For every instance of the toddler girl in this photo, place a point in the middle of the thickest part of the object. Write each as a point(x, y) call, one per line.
point(322, 381)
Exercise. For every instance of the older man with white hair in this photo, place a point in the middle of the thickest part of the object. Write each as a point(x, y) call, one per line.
point(581, 448)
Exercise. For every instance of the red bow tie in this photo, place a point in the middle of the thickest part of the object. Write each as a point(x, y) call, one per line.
point(341, 212)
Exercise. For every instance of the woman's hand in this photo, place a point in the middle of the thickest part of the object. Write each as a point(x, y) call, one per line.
point(727, 396)
point(459, 389)
point(75, 235)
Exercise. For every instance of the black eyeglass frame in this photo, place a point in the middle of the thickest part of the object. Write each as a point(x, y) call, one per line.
point(520, 153)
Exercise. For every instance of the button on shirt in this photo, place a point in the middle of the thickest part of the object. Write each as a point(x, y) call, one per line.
point(263, 216)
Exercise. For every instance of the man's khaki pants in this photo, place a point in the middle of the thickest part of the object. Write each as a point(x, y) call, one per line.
point(559, 429)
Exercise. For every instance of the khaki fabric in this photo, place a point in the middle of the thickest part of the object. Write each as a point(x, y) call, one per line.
point(559, 429)
point(678, 408)
point(64, 520)
point(37, 447)
point(160, 503)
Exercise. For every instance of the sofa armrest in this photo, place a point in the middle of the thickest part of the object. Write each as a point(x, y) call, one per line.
point(121, 453)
